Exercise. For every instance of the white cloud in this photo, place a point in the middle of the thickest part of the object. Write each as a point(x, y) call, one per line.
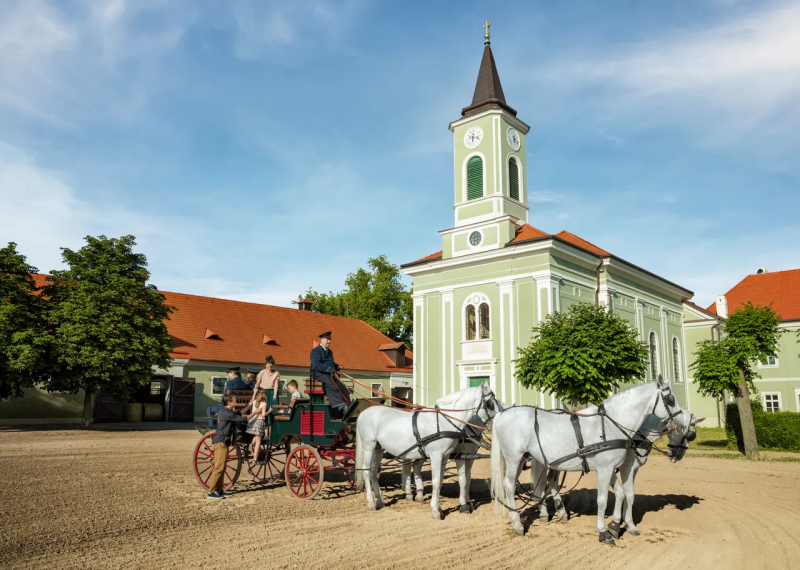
point(741, 74)
point(544, 196)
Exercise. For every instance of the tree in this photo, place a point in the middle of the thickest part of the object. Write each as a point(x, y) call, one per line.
point(24, 342)
point(108, 324)
point(750, 334)
point(376, 296)
point(582, 354)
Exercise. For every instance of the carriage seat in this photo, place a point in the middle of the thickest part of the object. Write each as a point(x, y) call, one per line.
point(314, 387)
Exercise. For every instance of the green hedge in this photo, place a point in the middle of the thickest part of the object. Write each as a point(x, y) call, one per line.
point(778, 431)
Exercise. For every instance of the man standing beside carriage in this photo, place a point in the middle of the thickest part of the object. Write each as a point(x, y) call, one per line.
point(324, 369)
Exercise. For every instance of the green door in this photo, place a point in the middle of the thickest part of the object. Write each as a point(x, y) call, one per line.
point(475, 381)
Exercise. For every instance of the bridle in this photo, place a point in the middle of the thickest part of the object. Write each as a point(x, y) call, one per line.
point(667, 398)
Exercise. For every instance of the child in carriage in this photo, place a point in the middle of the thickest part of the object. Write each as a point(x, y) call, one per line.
point(257, 421)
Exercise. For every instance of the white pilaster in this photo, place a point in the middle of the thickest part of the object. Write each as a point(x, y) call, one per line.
point(419, 354)
point(447, 339)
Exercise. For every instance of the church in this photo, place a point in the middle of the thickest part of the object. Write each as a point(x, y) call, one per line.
point(496, 277)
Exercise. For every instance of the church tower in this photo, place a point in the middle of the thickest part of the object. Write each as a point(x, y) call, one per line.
point(490, 176)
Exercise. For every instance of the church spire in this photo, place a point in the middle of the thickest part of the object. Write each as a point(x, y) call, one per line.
point(488, 90)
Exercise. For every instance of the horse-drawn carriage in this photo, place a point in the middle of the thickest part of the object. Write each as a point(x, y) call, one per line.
point(302, 443)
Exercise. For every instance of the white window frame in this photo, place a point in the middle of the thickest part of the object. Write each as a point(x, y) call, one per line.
point(224, 381)
point(764, 401)
point(650, 356)
point(677, 374)
point(797, 399)
point(464, 199)
point(376, 386)
point(469, 301)
point(515, 158)
point(762, 365)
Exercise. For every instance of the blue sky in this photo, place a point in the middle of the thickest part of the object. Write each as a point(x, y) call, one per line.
point(257, 148)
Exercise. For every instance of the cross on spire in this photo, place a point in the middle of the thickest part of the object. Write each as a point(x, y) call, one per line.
point(486, 35)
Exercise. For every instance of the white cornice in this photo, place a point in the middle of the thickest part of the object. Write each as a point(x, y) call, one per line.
point(638, 275)
point(493, 111)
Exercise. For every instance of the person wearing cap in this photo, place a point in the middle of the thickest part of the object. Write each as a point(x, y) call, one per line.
point(324, 369)
point(251, 378)
point(235, 381)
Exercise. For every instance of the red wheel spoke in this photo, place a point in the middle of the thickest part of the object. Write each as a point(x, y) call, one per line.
point(204, 470)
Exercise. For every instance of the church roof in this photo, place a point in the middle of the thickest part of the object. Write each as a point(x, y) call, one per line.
point(239, 329)
point(781, 289)
point(527, 234)
point(488, 90)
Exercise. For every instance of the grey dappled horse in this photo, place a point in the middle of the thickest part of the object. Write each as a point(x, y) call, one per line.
point(525, 431)
point(382, 428)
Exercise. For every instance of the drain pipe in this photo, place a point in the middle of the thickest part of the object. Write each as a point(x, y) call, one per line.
point(597, 283)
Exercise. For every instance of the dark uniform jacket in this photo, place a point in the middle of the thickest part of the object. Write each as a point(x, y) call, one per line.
point(322, 361)
point(236, 383)
point(226, 424)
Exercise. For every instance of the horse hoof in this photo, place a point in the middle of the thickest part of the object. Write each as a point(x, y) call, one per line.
point(613, 529)
point(544, 520)
point(605, 538)
point(518, 530)
point(409, 497)
point(633, 532)
point(563, 516)
point(467, 509)
point(372, 507)
point(420, 497)
point(437, 515)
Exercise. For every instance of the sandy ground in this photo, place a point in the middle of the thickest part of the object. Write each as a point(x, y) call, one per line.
point(97, 499)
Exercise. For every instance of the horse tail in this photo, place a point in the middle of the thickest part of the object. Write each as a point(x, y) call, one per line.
point(498, 475)
point(359, 481)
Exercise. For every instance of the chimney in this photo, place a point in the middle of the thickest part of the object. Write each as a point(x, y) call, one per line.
point(722, 306)
point(761, 271)
point(305, 304)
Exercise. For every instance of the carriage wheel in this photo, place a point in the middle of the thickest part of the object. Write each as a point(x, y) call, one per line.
point(270, 464)
point(304, 472)
point(204, 462)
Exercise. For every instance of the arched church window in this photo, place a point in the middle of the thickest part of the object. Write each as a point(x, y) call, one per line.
point(474, 178)
point(653, 355)
point(471, 322)
point(484, 322)
point(676, 359)
point(513, 178)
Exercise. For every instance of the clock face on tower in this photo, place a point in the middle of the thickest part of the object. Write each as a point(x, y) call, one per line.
point(513, 138)
point(473, 137)
point(475, 238)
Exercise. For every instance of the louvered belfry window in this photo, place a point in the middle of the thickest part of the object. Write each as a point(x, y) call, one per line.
point(513, 178)
point(474, 178)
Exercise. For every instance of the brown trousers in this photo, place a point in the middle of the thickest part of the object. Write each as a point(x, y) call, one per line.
point(217, 480)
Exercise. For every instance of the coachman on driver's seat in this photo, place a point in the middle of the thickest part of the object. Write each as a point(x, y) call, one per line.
point(324, 369)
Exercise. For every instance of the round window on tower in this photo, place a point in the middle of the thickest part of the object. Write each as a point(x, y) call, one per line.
point(475, 238)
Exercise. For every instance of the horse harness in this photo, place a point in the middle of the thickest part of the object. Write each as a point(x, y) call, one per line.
point(460, 435)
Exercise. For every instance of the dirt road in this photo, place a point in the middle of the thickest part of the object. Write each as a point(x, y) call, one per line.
point(95, 499)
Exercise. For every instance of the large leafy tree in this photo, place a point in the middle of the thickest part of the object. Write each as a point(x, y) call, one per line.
point(24, 342)
point(375, 295)
point(750, 334)
point(108, 323)
point(581, 354)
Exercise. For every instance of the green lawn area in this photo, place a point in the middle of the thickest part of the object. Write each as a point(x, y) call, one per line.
point(710, 439)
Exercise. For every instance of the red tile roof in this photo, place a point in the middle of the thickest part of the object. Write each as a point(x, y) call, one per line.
point(700, 309)
point(527, 232)
point(781, 288)
point(580, 242)
point(240, 328)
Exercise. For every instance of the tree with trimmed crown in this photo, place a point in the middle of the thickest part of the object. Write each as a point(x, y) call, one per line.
point(107, 322)
point(24, 342)
point(751, 333)
point(581, 355)
point(374, 295)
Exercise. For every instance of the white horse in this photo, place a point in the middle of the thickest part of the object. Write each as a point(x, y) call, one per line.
point(647, 434)
point(550, 439)
point(416, 436)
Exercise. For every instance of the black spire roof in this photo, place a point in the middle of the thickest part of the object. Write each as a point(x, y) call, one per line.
point(488, 90)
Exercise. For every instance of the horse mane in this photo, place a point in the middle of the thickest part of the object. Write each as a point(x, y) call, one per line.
point(454, 400)
point(621, 398)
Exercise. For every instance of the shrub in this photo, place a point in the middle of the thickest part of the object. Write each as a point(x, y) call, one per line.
point(779, 431)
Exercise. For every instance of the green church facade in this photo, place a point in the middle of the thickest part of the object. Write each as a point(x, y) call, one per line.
point(496, 277)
